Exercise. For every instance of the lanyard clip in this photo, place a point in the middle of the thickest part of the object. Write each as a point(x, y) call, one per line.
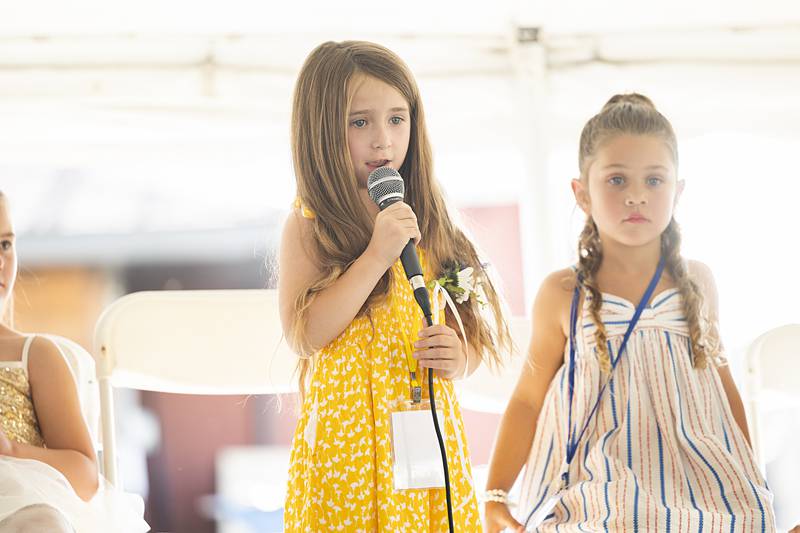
point(416, 390)
point(416, 394)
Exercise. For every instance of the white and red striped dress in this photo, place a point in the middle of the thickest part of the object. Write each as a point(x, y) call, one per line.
point(663, 452)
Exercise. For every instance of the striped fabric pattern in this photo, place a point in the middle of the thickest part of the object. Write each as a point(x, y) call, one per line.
point(663, 453)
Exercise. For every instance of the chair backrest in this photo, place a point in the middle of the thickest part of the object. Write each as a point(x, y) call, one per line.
point(195, 342)
point(773, 364)
point(487, 390)
point(83, 371)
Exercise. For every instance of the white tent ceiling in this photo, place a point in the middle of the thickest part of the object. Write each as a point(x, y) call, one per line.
point(121, 117)
point(448, 17)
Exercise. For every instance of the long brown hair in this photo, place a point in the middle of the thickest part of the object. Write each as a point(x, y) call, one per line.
point(326, 184)
point(635, 114)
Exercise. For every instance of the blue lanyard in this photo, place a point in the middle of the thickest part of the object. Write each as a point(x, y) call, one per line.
point(572, 441)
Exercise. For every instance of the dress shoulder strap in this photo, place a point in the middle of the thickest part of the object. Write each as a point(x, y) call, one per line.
point(26, 348)
point(305, 211)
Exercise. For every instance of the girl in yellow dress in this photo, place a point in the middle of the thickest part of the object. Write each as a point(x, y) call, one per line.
point(349, 312)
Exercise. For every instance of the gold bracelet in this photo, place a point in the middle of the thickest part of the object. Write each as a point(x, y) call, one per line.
point(497, 496)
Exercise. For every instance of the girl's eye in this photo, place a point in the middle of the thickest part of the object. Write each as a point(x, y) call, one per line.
point(359, 123)
point(6, 245)
point(616, 180)
point(654, 180)
point(396, 120)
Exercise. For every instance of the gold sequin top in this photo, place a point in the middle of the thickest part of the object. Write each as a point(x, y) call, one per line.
point(17, 415)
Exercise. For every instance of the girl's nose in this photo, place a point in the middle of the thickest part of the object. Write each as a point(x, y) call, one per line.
point(636, 199)
point(382, 140)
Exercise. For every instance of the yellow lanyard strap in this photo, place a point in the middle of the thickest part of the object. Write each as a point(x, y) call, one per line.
point(416, 388)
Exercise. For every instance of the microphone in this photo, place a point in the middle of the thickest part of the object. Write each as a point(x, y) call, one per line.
point(386, 187)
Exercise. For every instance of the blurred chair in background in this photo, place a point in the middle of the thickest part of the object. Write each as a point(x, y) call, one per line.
point(772, 399)
point(193, 342)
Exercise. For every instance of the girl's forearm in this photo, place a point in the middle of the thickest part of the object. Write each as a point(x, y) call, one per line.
point(513, 445)
point(80, 471)
point(336, 306)
point(737, 409)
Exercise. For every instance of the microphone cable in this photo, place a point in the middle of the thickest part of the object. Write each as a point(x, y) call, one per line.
point(386, 186)
point(442, 449)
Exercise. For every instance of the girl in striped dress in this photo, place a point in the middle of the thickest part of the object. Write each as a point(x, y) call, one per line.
point(627, 415)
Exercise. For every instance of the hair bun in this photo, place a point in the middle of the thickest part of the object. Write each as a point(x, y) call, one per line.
point(629, 98)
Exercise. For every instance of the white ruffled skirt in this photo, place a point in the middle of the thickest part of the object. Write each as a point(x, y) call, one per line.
point(25, 482)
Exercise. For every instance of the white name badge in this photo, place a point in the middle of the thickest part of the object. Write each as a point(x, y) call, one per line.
point(417, 460)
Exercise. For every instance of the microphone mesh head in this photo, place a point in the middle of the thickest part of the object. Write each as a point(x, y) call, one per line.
point(385, 183)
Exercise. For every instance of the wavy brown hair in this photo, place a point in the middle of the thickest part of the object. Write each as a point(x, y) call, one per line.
point(635, 114)
point(326, 184)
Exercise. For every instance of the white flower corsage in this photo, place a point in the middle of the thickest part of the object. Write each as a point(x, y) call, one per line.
point(461, 283)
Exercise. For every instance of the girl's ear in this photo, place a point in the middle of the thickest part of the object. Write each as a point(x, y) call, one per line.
point(581, 192)
point(678, 192)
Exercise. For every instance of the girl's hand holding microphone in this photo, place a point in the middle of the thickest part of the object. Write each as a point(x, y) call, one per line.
point(394, 227)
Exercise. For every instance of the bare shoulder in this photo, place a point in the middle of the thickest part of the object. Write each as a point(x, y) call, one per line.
point(296, 257)
point(557, 288)
point(45, 360)
point(559, 285)
point(297, 231)
point(555, 297)
point(55, 398)
point(297, 268)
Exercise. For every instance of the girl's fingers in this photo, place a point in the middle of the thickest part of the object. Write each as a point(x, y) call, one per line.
point(434, 354)
point(401, 211)
point(439, 364)
point(438, 329)
point(436, 364)
point(443, 341)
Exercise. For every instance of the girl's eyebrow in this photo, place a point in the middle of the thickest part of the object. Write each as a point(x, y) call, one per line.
point(619, 165)
point(9, 234)
point(368, 111)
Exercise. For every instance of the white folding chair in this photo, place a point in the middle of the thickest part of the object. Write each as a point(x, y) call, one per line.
point(194, 342)
point(773, 365)
point(488, 390)
point(772, 400)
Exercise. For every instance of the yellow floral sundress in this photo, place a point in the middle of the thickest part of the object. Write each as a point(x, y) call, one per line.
point(340, 476)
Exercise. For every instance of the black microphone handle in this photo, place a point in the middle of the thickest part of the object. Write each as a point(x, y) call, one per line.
point(413, 270)
point(410, 260)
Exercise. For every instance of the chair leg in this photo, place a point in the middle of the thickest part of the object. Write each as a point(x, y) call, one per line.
point(108, 431)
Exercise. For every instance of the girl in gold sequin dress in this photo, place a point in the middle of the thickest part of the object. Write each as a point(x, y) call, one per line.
point(348, 310)
point(48, 470)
